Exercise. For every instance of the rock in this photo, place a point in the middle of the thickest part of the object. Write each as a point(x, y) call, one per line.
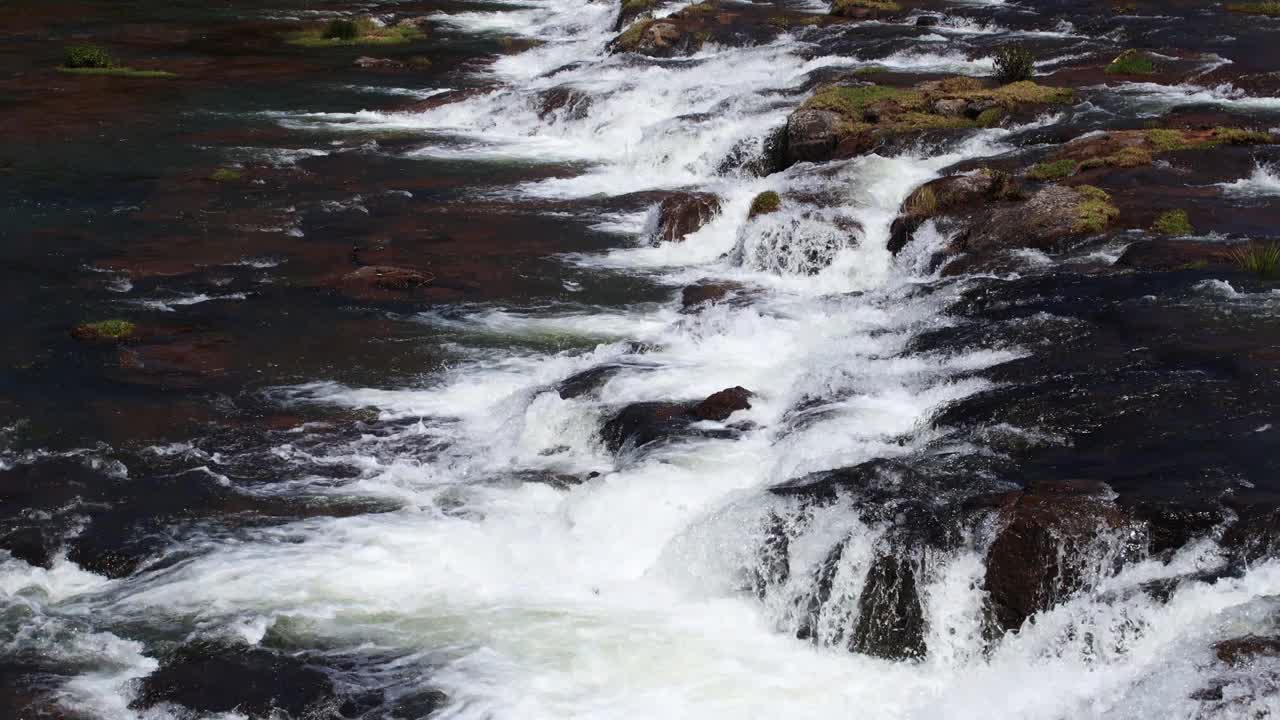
point(1175, 254)
point(389, 277)
point(719, 406)
point(963, 194)
point(587, 381)
point(32, 545)
point(373, 63)
point(566, 101)
point(811, 135)
point(890, 617)
point(642, 423)
point(1047, 221)
point(639, 424)
point(928, 20)
point(684, 213)
point(705, 293)
point(1240, 651)
point(215, 678)
point(1037, 558)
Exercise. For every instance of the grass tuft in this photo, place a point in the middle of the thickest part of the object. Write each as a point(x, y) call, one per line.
point(1013, 63)
point(1262, 259)
point(922, 202)
point(1094, 211)
point(1174, 222)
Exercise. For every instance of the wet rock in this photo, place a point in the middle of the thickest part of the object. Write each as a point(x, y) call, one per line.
point(375, 63)
point(811, 135)
point(890, 618)
point(215, 678)
point(1240, 651)
point(639, 424)
point(928, 20)
point(719, 406)
point(32, 545)
point(568, 102)
point(389, 278)
point(1047, 219)
point(1039, 556)
point(961, 195)
point(685, 32)
point(1176, 254)
point(693, 296)
point(849, 119)
point(586, 382)
point(684, 213)
point(632, 9)
point(643, 423)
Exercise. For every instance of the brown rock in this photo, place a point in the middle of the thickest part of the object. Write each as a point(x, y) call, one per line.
point(812, 135)
point(388, 277)
point(1044, 222)
point(373, 63)
point(1036, 559)
point(1239, 651)
point(719, 406)
point(684, 213)
point(951, 195)
point(705, 293)
point(1175, 254)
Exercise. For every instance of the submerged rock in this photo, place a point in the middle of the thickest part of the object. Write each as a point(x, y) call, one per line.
point(214, 678)
point(707, 293)
point(683, 213)
point(1175, 254)
point(890, 618)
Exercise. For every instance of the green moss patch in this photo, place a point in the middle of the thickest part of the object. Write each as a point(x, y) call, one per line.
point(1132, 62)
point(105, 330)
point(1256, 8)
point(224, 175)
point(366, 32)
point(1054, 170)
point(840, 7)
point(1094, 211)
point(765, 203)
point(119, 72)
point(1174, 222)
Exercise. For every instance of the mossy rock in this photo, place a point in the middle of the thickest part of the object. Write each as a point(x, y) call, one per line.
point(1256, 8)
point(862, 8)
point(1132, 62)
point(765, 203)
point(225, 175)
point(104, 330)
point(367, 32)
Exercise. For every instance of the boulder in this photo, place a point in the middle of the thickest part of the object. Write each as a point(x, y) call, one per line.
point(1038, 557)
point(719, 406)
point(963, 194)
point(811, 135)
point(639, 424)
point(1045, 221)
point(683, 213)
point(375, 63)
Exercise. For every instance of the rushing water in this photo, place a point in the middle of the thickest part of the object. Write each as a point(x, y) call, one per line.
point(628, 595)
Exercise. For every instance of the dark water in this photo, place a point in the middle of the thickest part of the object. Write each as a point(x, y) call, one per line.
point(333, 471)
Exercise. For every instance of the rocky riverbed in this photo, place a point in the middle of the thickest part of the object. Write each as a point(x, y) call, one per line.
point(617, 360)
